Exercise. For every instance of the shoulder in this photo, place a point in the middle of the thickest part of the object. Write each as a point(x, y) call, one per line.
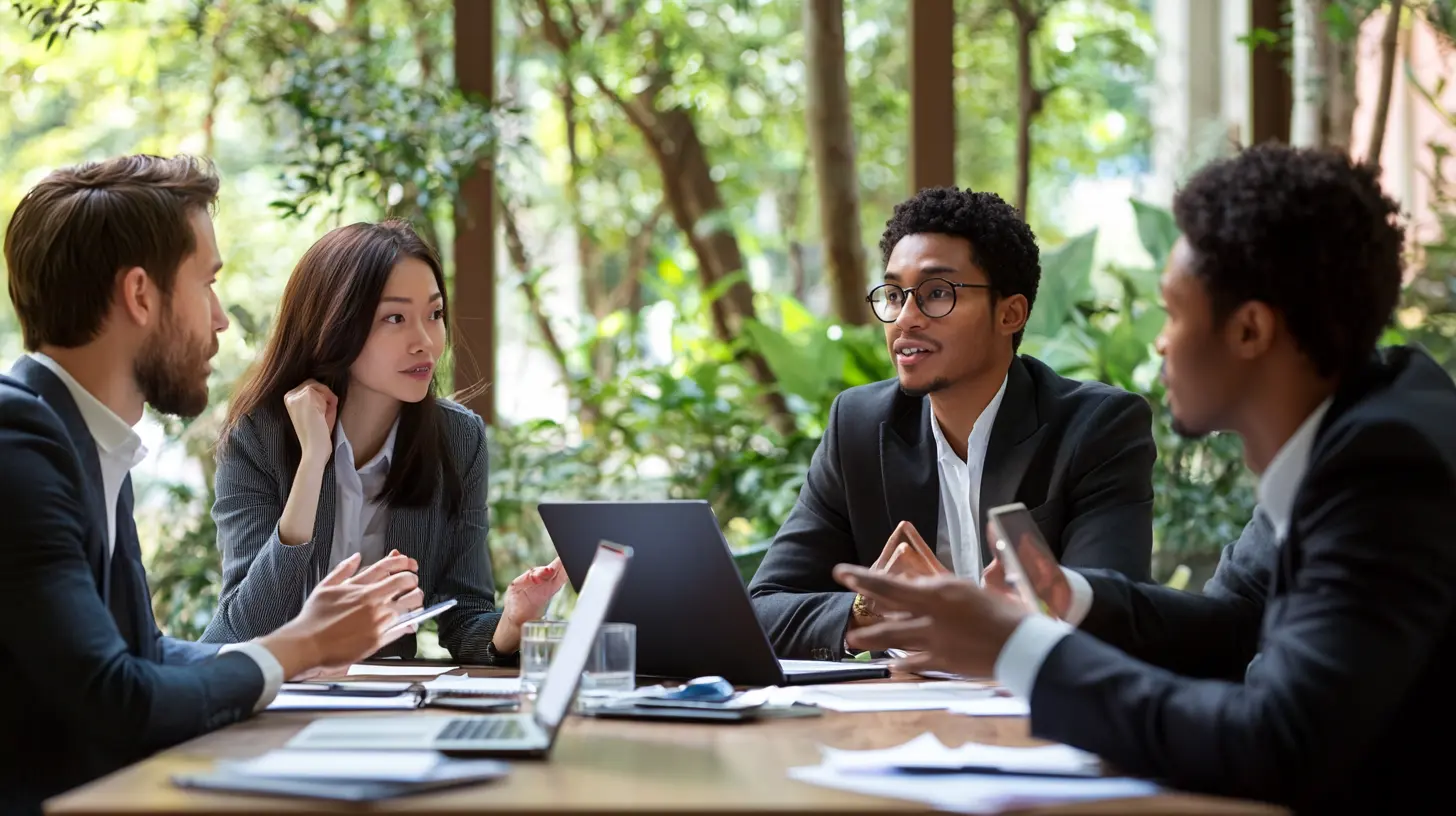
point(32, 437)
point(1401, 420)
point(24, 413)
point(874, 402)
point(1081, 400)
point(463, 431)
point(260, 433)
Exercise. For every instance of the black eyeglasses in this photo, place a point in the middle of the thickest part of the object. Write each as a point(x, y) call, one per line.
point(935, 297)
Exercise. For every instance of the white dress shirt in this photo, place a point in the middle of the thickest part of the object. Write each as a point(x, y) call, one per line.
point(119, 449)
point(1037, 635)
point(958, 539)
point(360, 518)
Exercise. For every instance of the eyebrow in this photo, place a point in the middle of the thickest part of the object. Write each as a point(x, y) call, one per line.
point(433, 298)
point(927, 271)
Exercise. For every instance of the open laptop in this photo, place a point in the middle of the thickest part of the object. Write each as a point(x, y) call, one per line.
point(684, 595)
point(520, 735)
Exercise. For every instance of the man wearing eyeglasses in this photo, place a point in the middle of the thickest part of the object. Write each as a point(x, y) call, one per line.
point(908, 467)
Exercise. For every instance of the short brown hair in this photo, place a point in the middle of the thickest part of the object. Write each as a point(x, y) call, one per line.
point(80, 226)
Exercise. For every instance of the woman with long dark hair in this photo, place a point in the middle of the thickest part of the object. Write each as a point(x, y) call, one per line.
point(336, 445)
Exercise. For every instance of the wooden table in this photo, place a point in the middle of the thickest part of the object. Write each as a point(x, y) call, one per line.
point(608, 766)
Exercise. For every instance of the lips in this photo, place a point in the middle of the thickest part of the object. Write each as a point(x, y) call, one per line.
point(423, 371)
point(909, 351)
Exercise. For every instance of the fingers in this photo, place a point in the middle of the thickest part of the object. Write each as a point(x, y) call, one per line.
point(890, 591)
point(343, 572)
point(389, 565)
point(409, 602)
point(887, 554)
point(918, 544)
point(391, 587)
point(909, 634)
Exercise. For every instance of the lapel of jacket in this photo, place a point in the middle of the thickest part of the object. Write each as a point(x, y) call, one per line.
point(1014, 439)
point(908, 468)
point(133, 612)
point(41, 380)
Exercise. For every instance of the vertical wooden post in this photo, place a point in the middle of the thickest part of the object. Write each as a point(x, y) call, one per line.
point(1272, 88)
point(473, 299)
point(932, 94)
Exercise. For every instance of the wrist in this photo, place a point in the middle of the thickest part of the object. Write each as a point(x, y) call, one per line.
point(313, 461)
point(295, 651)
point(507, 637)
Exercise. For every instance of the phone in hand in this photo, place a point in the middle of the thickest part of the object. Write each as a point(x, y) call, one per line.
point(1015, 531)
point(422, 615)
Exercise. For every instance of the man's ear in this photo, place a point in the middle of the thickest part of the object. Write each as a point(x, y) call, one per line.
point(1011, 314)
point(138, 297)
point(1249, 330)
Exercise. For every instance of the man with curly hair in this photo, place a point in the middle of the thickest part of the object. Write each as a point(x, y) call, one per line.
point(908, 468)
point(1285, 278)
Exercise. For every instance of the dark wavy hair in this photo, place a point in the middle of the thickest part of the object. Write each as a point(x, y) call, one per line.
point(1002, 244)
point(322, 324)
point(1308, 232)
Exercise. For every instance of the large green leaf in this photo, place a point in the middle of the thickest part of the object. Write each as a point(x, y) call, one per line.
point(1156, 229)
point(805, 370)
point(1066, 279)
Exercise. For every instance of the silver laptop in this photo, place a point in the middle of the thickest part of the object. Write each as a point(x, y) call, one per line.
point(523, 735)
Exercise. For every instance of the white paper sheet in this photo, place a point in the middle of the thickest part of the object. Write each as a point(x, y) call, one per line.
point(993, 707)
point(374, 766)
point(894, 696)
point(487, 685)
point(927, 752)
point(976, 793)
point(376, 670)
point(290, 701)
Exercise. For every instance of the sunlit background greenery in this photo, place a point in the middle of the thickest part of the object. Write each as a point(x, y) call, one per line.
point(322, 113)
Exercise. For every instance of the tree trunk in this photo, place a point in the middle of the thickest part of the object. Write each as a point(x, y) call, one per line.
point(1389, 45)
point(1340, 100)
point(831, 137)
point(696, 204)
point(1029, 99)
point(593, 286)
point(1311, 47)
point(521, 260)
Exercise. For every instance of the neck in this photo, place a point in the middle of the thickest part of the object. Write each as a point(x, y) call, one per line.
point(367, 416)
point(957, 407)
point(106, 375)
point(1277, 413)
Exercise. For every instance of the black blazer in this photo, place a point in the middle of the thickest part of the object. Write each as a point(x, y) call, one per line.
point(1079, 455)
point(87, 683)
point(1349, 696)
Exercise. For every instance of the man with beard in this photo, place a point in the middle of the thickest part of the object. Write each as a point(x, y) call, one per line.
point(111, 271)
point(1287, 273)
point(908, 468)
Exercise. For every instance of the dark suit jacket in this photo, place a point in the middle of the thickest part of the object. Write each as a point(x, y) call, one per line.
point(1208, 635)
point(1356, 636)
point(264, 582)
point(1078, 455)
point(87, 684)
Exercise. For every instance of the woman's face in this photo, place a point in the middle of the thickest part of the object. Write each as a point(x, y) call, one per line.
point(408, 335)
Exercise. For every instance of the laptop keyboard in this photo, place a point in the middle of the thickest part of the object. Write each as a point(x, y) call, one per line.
point(484, 728)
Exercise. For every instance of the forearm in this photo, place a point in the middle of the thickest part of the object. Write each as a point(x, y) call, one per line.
point(261, 592)
point(296, 525)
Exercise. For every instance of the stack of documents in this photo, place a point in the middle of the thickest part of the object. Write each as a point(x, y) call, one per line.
point(358, 695)
point(965, 697)
point(355, 776)
point(974, 778)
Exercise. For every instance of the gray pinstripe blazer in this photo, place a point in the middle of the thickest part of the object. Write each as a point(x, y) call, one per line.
point(265, 582)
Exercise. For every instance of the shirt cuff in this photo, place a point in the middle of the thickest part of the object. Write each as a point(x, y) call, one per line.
point(267, 663)
point(1025, 651)
point(1081, 597)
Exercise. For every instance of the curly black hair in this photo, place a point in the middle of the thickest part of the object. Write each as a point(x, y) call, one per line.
point(1308, 232)
point(1002, 244)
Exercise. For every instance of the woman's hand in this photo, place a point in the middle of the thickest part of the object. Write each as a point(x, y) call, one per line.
point(526, 600)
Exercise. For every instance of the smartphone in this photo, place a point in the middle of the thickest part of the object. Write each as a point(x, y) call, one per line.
point(1015, 528)
point(422, 615)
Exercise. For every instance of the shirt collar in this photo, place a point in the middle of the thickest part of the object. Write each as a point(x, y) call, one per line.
point(344, 450)
point(1282, 478)
point(980, 432)
point(113, 436)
